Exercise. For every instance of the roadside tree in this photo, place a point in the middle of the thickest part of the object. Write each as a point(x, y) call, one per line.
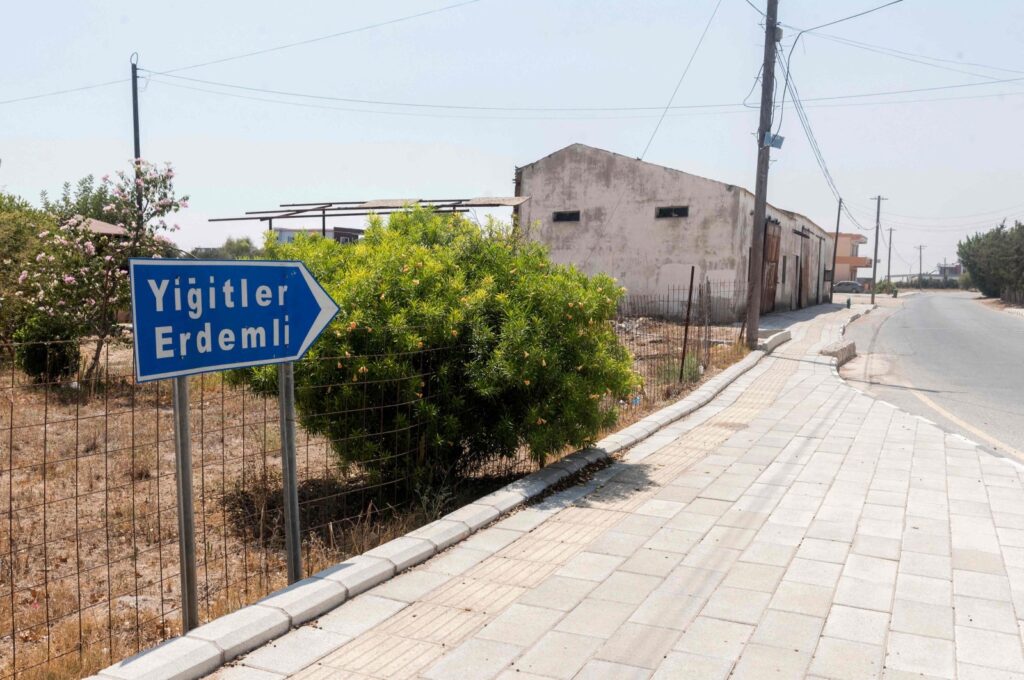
point(79, 279)
point(520, 352)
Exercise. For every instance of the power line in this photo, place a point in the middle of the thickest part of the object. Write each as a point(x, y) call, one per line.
point(883, 48)
point(67, 91)
point(661, 118)
point(792, 47)
point(329, 36)
point(245, 55)
point(912, 59)
point(679, 83)
point(819, 157)
point(755, 8)
point(695, 110)
point(480, 107)
point(989, 223)
point(757, 79)
point(422, 114)
point(1013, 208)
point(852, 16)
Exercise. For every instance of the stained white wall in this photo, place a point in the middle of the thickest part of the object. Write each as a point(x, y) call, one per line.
point(618, 233)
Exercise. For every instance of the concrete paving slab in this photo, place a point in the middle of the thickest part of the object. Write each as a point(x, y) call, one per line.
point(793, 528)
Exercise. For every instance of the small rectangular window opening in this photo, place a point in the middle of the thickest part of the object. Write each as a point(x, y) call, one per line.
point(566, 216)
point(672, 211)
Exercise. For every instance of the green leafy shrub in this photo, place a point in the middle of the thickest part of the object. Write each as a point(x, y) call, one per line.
point(885, 288)
point(490, 345)
point(46, 349)
point(20, 225)
point(964, 282)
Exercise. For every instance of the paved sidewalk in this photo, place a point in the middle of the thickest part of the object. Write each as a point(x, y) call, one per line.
point(792, 528)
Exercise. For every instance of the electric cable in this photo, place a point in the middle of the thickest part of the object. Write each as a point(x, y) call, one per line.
point(479, 107)
point(679, 83)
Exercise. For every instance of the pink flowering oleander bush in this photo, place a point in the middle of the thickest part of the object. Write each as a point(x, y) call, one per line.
point(78, 281)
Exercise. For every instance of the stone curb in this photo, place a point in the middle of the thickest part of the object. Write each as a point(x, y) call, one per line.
point(210, 646)
point(772, 341)
point(842, 334)
point(842, 350)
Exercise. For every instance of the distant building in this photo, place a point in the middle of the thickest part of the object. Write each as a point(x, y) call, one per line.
point(950, 271)
point(647, 225)
point(102, 228)
point(339, 234)
point(849, 259)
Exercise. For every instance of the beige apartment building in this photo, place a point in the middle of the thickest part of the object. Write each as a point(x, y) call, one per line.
point(848, 257)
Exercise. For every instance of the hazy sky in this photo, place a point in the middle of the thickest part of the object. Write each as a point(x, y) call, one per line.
point(949, 165)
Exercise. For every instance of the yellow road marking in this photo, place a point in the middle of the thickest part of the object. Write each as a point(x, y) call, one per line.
point(980, 434)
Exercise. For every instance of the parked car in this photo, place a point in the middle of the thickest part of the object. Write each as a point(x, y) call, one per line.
point(847, 287)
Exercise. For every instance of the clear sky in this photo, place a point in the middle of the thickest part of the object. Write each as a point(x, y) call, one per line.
point(948, 165)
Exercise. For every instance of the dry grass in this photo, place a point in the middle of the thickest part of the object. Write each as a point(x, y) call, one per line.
point(88, 522)
point(657, 347)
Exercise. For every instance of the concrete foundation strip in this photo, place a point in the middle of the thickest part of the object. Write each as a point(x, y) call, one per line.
point(208, 647)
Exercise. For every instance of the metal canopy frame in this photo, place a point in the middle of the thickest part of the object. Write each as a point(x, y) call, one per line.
point(325, 209)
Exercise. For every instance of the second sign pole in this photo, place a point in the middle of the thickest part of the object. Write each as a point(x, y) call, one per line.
point(292, 536)
point(186, 522)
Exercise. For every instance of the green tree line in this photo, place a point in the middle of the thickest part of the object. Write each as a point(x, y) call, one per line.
point(995, 260)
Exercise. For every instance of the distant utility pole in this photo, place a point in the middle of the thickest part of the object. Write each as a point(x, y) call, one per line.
point(761, 183)
point(920, 266)
point(182, 436)
point(944, 272)
point(874, 263)
point(138, 151)
point(835, 249)
point(888, 268)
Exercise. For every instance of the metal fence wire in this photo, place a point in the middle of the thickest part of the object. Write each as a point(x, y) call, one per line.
point(89, 563)
point(89, 557)
point(679, 338)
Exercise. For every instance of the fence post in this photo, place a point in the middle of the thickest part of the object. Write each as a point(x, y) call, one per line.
point(286, 405)
point(686, 331)
point(186, 519)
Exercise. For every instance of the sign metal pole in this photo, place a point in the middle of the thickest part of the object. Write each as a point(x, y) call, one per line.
point(192, 316)
point(186, 521)
point(286, 404)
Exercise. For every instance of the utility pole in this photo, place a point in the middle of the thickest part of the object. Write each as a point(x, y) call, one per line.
point(138, 151)
point(944, 272)
point(874, 263)
point(761, 183)
point(888, 269)
point(835, 249)
point(920, 266)
point(182, 429)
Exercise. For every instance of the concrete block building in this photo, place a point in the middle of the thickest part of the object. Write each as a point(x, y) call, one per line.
point(848, 257)
point(646, 225)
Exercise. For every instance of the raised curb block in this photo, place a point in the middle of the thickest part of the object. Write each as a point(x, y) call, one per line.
point(210, 646)
point(179, 658)
point(769, 344)
point(842, 350)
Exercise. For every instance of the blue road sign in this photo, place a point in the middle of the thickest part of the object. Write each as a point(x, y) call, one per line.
point(194, 316)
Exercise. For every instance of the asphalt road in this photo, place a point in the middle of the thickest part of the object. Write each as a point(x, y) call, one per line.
point(950, 358)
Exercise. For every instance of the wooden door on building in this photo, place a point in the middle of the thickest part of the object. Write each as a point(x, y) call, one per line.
point(772, 246)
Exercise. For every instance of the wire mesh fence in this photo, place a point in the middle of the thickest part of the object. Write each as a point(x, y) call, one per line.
point(89, 556)
point(680, 338)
